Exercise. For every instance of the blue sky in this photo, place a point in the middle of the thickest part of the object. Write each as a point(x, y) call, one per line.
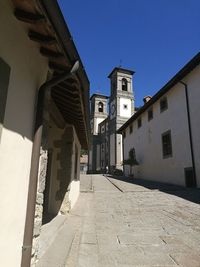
point(154, 38)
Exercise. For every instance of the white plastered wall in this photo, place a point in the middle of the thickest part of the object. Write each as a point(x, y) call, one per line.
point(98, 121)
point(148, 143)
point(28, 72)
point(125, 112)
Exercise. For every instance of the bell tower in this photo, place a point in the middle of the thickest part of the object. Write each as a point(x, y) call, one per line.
point(98, 114)
point(121, 108)
point(98, 111)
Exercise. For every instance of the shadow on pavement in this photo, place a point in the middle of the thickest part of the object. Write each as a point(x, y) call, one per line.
point(190, 194)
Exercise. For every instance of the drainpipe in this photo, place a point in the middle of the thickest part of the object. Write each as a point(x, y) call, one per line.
point(190, 129)
point(33, 178)
point(123, 153)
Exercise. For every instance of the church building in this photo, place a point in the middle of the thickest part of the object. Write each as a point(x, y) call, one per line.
point(108, 114)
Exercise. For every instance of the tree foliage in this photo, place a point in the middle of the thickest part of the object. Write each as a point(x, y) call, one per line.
point(83, 152)
point(131, 161)
point(132, 158)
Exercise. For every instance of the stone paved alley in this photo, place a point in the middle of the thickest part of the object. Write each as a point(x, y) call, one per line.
point(118, 223)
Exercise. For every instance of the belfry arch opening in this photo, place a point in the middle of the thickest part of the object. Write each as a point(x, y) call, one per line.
point(100, 107)
point(124, 85)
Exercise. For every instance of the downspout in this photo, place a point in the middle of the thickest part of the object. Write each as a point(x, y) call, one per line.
point(123, 151)
point(33, 178)
point(190, 129)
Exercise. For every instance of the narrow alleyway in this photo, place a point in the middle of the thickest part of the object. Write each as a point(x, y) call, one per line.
point(118, 223)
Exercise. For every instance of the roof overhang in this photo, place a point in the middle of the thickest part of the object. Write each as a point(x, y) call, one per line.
point(47, 27)
point(122, 70)
point(99, 95)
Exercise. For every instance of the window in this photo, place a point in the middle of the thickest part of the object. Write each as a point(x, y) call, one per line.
point(163, 104)
point(124, 134)
point(4, 82)
point(139, 122)
point(167, 144)
point(124, 84)
point(130, 129)
point(150, 114)
point(125, 106)
point(100, 107)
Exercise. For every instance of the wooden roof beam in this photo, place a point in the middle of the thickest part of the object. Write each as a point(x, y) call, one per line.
point(57, 67)
point(64, 88)
point(73, 97)
point(50, 53)
point(41, 38)
point(28, 17)
point(75, 116)
point(68, 102)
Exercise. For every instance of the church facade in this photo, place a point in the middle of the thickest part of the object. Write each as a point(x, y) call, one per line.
point(108, 114)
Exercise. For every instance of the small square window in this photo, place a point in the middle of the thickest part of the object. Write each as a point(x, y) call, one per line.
point(139, 122)
point(167, 144)
point(163, 104)
point(125, 106)
point(150, 114)
point(130, 129)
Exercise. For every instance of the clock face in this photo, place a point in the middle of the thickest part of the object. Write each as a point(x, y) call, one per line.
point(113, 109)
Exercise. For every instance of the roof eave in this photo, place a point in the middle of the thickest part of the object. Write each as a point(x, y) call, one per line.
point(195, 61)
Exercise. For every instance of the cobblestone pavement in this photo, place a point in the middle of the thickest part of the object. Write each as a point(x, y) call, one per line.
point(135, 224)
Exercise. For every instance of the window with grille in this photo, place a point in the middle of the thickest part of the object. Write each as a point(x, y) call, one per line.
point(167, 144)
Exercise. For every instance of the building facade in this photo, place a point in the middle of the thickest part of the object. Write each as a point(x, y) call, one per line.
point(44, 122)
point(108, 114)
point(165, 131)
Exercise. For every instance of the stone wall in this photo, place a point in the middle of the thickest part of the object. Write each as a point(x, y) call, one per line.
point(39, 204)
point(41, 185)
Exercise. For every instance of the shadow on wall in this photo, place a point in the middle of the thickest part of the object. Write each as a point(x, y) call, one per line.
point(60, 173)
point(18, 96)
point(190, 194)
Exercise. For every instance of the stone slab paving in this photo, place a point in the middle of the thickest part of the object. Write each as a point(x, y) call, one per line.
point(135, 224)
point(123, 223)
